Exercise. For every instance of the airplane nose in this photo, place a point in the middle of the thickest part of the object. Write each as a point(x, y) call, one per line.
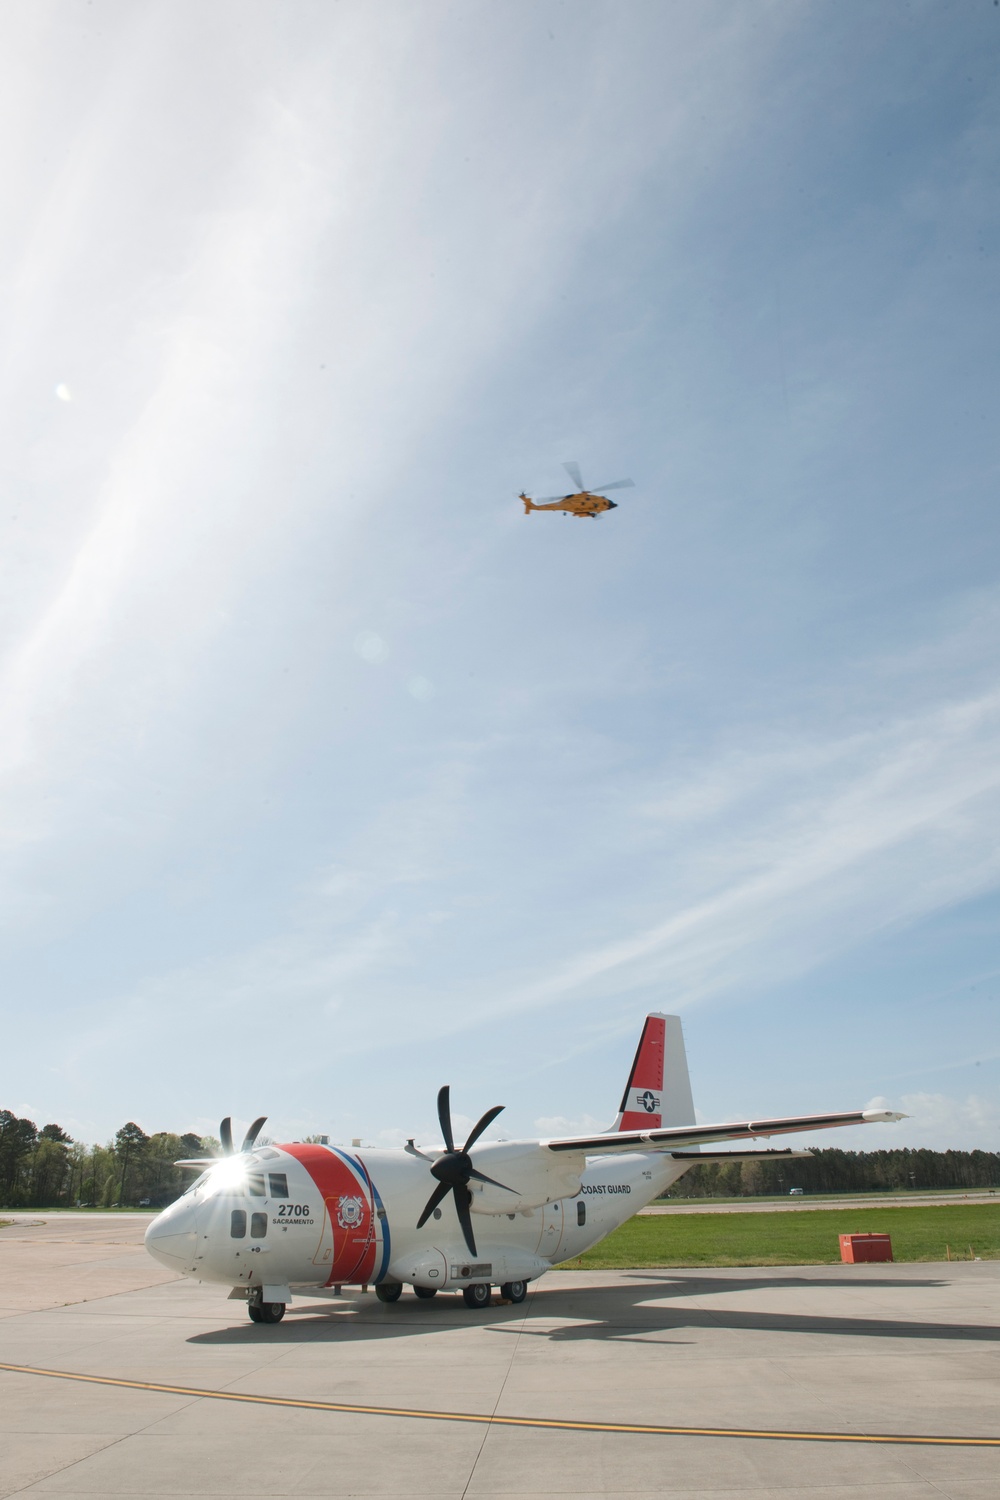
point(173, 1235)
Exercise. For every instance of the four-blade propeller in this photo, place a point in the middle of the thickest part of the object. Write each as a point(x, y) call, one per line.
point(226, 1135)
point(454, 1170)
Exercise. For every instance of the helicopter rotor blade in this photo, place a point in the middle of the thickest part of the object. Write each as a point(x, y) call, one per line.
point(573, 470)
point(618, 484)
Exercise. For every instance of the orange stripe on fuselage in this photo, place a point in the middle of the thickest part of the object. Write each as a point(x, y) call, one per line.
point(348, 1199)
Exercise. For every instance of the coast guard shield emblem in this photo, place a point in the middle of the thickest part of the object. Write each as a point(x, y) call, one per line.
point(350, 1212)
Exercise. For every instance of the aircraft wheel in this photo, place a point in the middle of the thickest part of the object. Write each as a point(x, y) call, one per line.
point(389, 1291)
point(514, 1291)
point(477, 1295)
point(427, 1292)
point(270, 1312)
point(254, 1312)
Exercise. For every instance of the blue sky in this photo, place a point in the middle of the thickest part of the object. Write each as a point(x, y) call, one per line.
point(327, 775)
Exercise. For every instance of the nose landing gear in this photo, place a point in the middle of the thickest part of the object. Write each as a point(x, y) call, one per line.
point(261, 1311)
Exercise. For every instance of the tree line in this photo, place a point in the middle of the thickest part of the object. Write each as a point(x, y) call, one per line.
point(46, 1168)
point(834, 1171)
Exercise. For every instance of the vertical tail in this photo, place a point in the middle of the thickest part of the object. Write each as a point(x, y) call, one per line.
point(529, 505)
point(658, 1091)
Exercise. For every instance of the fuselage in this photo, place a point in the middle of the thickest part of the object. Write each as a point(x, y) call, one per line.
point(315, 1218)
point(581, 504)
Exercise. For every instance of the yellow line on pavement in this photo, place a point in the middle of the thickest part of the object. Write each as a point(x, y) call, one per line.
point(557, 1424)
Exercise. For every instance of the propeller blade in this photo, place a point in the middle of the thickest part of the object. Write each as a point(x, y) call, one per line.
point(444, 1115)
point(226, 1136)
point(487, 1119)
point(252, 1134)
point(462, 1200)
point(441, 1191)
point(573, 470)
point(617, 484)
point(482, 1177)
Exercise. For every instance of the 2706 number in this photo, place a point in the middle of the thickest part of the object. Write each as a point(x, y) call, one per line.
point(293, 1211)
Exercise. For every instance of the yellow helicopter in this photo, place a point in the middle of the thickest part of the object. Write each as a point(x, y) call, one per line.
point(583, 503)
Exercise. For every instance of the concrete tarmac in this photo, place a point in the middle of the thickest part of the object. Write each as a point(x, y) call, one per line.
point(835, 1352)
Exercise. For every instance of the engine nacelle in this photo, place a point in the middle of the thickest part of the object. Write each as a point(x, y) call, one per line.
point(534, 1174)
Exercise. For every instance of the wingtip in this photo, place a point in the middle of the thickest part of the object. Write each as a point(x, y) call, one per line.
point(882, 1116)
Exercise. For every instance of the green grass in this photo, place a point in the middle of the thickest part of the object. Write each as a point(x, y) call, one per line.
point(807, 1237)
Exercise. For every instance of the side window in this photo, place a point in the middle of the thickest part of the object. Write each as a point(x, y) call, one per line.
point(279, 1184)
point(238, 1223)
point(258, 1226)
point(581, 1211)
point(255, 1184)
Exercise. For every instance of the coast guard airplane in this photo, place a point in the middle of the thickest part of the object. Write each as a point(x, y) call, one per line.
point(271, 1220)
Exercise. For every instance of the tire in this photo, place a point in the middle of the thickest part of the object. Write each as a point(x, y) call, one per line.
point(427, 1292)
point(477, 1295)
point(389, 1291)
point(254, 1312)
point(270, 1312)
point(514, 1291)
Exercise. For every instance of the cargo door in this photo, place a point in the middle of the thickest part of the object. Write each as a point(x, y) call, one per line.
point(550, 1238)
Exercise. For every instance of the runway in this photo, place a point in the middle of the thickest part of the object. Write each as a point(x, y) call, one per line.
point(840, 1381)
point(819, 1201)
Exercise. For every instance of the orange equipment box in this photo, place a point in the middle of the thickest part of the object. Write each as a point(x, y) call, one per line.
point(858, 1247)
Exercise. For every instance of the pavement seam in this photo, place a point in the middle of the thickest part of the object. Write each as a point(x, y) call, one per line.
point(104, 1448)
point(503, 1387)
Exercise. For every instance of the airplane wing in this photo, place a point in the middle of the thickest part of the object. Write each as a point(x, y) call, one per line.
point(676, 1137)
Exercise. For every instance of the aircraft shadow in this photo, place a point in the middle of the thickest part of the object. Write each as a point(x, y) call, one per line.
point(631, 1312)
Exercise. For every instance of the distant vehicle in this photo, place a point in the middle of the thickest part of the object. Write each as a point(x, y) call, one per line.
point(583, 503)
point(145, 1202)
point(270, 1221)
point(795, 1192)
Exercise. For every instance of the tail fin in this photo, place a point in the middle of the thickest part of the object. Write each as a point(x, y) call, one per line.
point(529, 505)
point(658, 1091)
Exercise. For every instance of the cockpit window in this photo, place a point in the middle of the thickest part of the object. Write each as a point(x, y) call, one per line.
point(279, 1184)
point(255, 1184)
point(198, 1182)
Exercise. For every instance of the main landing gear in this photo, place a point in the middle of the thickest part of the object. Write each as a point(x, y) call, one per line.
point(264, 1312)
point(477, 1294)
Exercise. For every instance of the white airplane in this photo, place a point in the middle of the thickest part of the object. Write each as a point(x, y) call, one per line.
point(271, 1220)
